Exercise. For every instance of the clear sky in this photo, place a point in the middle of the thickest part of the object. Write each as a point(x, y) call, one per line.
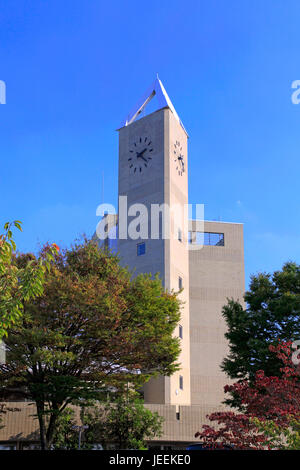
point(73, 69)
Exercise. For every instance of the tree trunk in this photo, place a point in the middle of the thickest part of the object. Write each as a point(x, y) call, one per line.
point(40, 413)
point(50, 430)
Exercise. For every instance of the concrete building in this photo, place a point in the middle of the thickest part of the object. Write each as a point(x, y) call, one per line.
point(205, 258)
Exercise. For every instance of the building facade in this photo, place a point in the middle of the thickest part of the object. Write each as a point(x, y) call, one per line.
point(202, 259)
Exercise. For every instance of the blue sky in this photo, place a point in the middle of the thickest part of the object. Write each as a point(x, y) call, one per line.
point(74, 69)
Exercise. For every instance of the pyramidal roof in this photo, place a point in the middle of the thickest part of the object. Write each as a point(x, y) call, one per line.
point(156, 89)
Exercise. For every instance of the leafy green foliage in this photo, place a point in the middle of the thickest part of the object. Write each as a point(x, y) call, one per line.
point(280, 437)
point(93, 328)
point(65, 436)
point(18, 284)
point(124, 423)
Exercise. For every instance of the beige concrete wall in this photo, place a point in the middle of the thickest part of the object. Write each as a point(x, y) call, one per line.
point(216, 272)
point(176, 253)
point(191, 420)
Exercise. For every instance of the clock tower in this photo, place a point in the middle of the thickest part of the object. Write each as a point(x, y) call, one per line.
point(153, 238)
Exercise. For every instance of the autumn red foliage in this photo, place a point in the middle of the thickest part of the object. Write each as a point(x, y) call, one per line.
point(275, 399)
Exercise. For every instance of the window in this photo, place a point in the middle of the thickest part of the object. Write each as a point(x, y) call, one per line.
point(206, 238)
point(180, 283)
point(141, 249)
point(179, 235)
point(181, 382)
point(180, 331)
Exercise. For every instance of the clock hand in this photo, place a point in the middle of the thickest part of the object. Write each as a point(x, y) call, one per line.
point(139, 154)
point(180, 158)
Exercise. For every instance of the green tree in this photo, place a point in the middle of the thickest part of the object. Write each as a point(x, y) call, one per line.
point(272, 314)
point(280, 437)
point(18, 284)
point(94, 327)
point(125, 423)
point(65, 436)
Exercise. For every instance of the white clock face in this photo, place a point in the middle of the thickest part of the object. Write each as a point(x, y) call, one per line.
point(140, 154)
point(179, 158)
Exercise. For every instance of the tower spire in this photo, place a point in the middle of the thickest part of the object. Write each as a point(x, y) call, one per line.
point(156, 89)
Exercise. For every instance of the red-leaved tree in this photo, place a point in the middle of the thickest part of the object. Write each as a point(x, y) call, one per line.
point(270, 410)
